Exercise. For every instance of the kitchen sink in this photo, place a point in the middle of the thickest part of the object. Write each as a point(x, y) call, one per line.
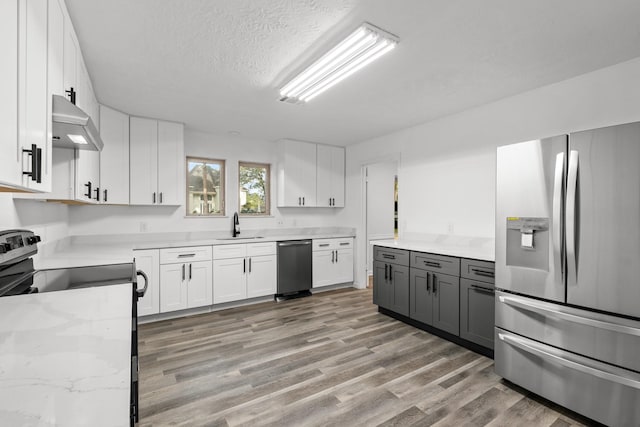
point(242, 238)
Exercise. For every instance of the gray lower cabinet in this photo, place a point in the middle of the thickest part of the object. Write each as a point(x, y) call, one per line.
point(449, 293)
point(391, 287)
point(434, 299)
point(477, 312)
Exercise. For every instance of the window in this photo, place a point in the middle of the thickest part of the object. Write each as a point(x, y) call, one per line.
point(254, 188)
point(205, 187)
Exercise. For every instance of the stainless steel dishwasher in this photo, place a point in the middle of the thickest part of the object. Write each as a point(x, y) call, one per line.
point(294, 269)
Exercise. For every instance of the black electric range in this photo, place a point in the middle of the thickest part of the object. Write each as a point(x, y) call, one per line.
point(18, 277)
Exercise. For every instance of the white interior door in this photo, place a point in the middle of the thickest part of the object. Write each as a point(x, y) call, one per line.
point(380, 182)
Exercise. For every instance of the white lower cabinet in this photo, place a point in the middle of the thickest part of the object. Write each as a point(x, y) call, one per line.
point(243, 271)
point(332, 261)
point(149, 261)
point(185, 278)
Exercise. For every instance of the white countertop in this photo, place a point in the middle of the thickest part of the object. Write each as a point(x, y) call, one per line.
point(462, 247)
point(65, 357)
point(81, 251)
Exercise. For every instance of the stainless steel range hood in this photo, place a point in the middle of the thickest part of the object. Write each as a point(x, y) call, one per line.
point(72, 127)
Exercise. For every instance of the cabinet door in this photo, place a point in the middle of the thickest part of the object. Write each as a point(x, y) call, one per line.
point(171, 163)
point(330, 176)
point(446, 302)
point(149, 262)
point(88, 170)
point(399, 289)
point(173, 287)
point(143, 166)
point(34, 104)
point(199, 284)
point(296, 173)
point(262, 276)
point(323, 266)
point(420, 297)
point(343, 266)
point(10, 160)
point(380, 288)
point(229, 280)
point(477, 312)
point(114, 157)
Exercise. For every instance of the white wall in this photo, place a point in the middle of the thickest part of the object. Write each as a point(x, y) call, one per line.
point(48, 220)
point(447, 167)
point(85, 220)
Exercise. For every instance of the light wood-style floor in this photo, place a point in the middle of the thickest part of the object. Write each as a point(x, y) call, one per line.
point(326, 360)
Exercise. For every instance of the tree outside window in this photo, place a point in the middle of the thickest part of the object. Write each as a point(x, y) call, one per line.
point(254, 188)
point(205, 187)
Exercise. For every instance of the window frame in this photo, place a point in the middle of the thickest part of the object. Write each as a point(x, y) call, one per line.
point(267, 190)
point(223, 183)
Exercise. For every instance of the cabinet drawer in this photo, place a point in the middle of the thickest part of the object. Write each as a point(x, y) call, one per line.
point(230, 251)
point(393, 256)
point(441, 263)
point(329, 244)
point(189, 254)
point(258, 249)
point(478, 270)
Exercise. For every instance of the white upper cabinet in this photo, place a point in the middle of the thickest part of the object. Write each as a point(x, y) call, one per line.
point(330, 176)
point(310, 175)
point(114, 157)
point(11, 158)
point(156, 162)
point(25, 163)
point(296, 174)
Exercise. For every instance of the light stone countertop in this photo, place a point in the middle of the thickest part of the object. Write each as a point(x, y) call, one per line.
point(463, 247)
point(65, 357)
point(81, 251)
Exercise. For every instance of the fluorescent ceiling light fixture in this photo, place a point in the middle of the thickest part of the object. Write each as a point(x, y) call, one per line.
point(77, 139)
point(360, 48)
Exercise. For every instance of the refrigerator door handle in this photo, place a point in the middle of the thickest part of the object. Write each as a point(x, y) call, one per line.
point(538, 350)
point(572, 186)
point(558, 185)
point(541, 308)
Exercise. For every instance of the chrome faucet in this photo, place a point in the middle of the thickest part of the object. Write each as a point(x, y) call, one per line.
point(236, 225)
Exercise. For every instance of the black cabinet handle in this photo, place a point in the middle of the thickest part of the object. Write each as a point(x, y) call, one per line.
point(333, 257)
point(36, 163)
point(336, 256)
point(104, 196)
point(97, 190)
point(385, 272)
point(190, 265)
point(154, 197)
point(302, 200)
point(435, 289)
point(481, 289)
point(428, 280)
point(390, 272)
point(71, 93)
point(161, 197)
point(329, 201)
point(88, 193)
point(483, 272)
point(432, 264)
point(299, 201)
point(183, 272)
point(387, 256)
point(249, 265)
point(244, 265)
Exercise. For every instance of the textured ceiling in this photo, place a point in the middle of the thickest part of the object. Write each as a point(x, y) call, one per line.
point(216, 65)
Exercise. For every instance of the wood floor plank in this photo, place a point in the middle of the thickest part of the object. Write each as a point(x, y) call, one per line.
point(327, 360)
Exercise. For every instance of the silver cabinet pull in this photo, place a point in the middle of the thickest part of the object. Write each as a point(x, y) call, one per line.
point(538, 350)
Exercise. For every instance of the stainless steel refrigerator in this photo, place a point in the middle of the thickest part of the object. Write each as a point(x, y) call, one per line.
point(568, 270)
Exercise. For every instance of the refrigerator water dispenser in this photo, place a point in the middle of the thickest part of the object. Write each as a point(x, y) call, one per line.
point(528, 242)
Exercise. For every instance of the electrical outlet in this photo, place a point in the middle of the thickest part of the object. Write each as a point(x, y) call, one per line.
point(143, 227)
point(280, 221)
